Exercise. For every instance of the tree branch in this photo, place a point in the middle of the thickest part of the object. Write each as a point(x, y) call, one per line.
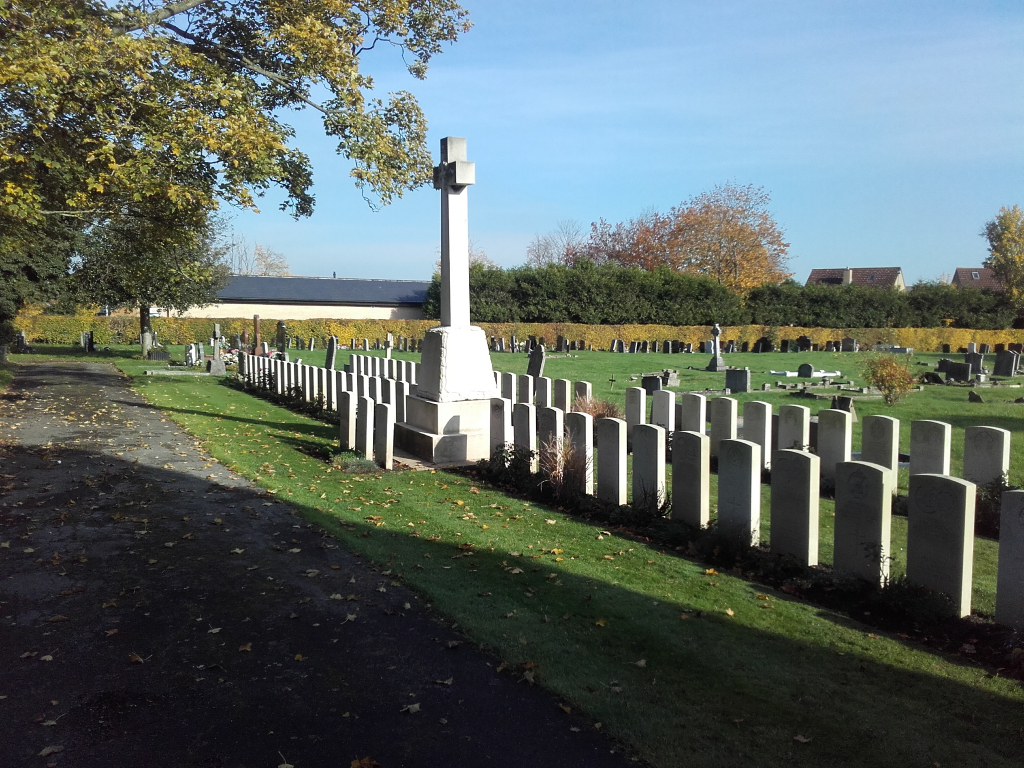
point(220, 52)
point(159, 15)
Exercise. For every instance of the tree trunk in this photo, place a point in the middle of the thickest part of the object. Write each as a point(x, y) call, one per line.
point(144, 329)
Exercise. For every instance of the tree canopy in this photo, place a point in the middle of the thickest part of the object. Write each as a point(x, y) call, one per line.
point(1005, 235)
point(726, 234)
point(163, 110)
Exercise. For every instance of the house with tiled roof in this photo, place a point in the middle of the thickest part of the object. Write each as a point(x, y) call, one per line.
point(867, 277)
point(977, 277)
point(308, 298)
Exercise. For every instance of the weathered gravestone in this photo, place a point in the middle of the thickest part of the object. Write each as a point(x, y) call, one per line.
point(651, 383)
point(805, 371)
point(849, 345)
point(535, 367)
point(958, 372)
point(804, 343)
point(976, 361)
point(1006, 364)
point(332, 351)
point(737, 380)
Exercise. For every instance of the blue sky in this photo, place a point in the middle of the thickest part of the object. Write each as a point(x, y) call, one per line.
point(886, 133)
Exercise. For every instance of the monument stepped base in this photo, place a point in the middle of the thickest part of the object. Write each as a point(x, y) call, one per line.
point(445, 433)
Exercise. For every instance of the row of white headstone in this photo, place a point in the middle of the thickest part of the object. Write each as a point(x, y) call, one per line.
point(940, 529)
point(368, 404)
point(940, 535)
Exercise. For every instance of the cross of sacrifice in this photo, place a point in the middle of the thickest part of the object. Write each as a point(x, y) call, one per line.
point(451, 177)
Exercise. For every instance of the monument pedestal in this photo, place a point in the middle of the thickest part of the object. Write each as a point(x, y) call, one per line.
point(448, 419)
point(716, 364)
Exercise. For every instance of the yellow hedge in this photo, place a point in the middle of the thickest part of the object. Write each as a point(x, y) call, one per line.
point(66, 329)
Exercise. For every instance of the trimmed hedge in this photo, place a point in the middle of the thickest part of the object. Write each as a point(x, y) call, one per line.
point(610, 294)
point(60, 329)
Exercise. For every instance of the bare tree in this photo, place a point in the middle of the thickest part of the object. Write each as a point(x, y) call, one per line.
point(269, 263)
point(563, 245)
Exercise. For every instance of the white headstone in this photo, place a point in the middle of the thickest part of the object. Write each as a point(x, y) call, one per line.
point(986, 454)
point(582, 390)
point(794, 427)
point(364, 427)
point(929, 447)
point(691, 457)
point(579, 428)
point(501, 422)
point(611, 460)
point(1010, 578)
point(384, 434)
point(880, 442)
point(563, 394)
point(757, 428)
point(508, 386)
point(544, 394)
point(663, 410)
point(636, 410)
point(692, 413)
point(739, 488)
point(347, 402)
point(794, 510)
point(525, 394)
point(863, 521)
point(835, 440)
point(722, 411)
point(940, 536)
point(524, 429)
point(648, 466)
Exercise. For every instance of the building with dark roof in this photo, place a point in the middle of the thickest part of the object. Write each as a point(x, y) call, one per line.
point(306, 298)
point(868, 277)
point(977, 277)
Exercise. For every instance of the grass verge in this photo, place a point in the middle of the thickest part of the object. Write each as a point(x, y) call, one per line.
point(686, 666)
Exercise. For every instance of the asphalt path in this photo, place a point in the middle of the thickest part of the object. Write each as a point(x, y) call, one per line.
point(158, 610)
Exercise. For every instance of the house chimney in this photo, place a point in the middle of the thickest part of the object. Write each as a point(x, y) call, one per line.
point(847, 276)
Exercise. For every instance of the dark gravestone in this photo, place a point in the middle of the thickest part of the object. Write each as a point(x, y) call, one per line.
point(943, 365)
point(845, 404)
point(849, 345)
point(805, 371)
point(666, 347)
point(701, 347)
point(931, 377)
point(945, 349)
point(737, 380)
point(745, 346)
point(332, 350)
point(803, 343)
point(535, 367)
point(282, 336)
point(976, 361)
point(1006, 364)
point(785, 346)
point(651, 383)
point(689, 347)
point(633, 347)
point(645, 346)
point(159, 356)
point(1018, 348)
point(985, 349)
point(958, 372)
point(999, 348)
point(300, 344)
point(767, 345)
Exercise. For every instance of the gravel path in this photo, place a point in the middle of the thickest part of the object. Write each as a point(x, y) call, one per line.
point(158, 610)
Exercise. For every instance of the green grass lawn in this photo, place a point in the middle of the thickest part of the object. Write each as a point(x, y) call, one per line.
point(731, 674)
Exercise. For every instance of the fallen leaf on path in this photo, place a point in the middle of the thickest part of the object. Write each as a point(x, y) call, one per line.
point(449, 681)
point(237, 551)
point(299, 657)
point(730, 612)
point(294, 550)
point(801, 739)
point(111, 632)
point(135, 659)
point(213, 630)
point(567, 710)
point(601, 622)
point(47, 751)
point(410, 708)
point(335, 596)
point(642, 663)
point(245, 648)
point(47, 657)
point(57, 619)
point(169, 544)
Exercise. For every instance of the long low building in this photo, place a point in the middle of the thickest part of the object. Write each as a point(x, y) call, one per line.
point(307, 298)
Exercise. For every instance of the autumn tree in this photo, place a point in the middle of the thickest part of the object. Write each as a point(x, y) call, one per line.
point(726, 234)
point(729, 235)
point(112, 110)
point(1005, 235)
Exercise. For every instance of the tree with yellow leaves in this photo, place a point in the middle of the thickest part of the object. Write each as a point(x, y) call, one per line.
point(114, 109)
point(1005, 235)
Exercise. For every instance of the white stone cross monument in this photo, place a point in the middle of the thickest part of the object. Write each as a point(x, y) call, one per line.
point(448, 421)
